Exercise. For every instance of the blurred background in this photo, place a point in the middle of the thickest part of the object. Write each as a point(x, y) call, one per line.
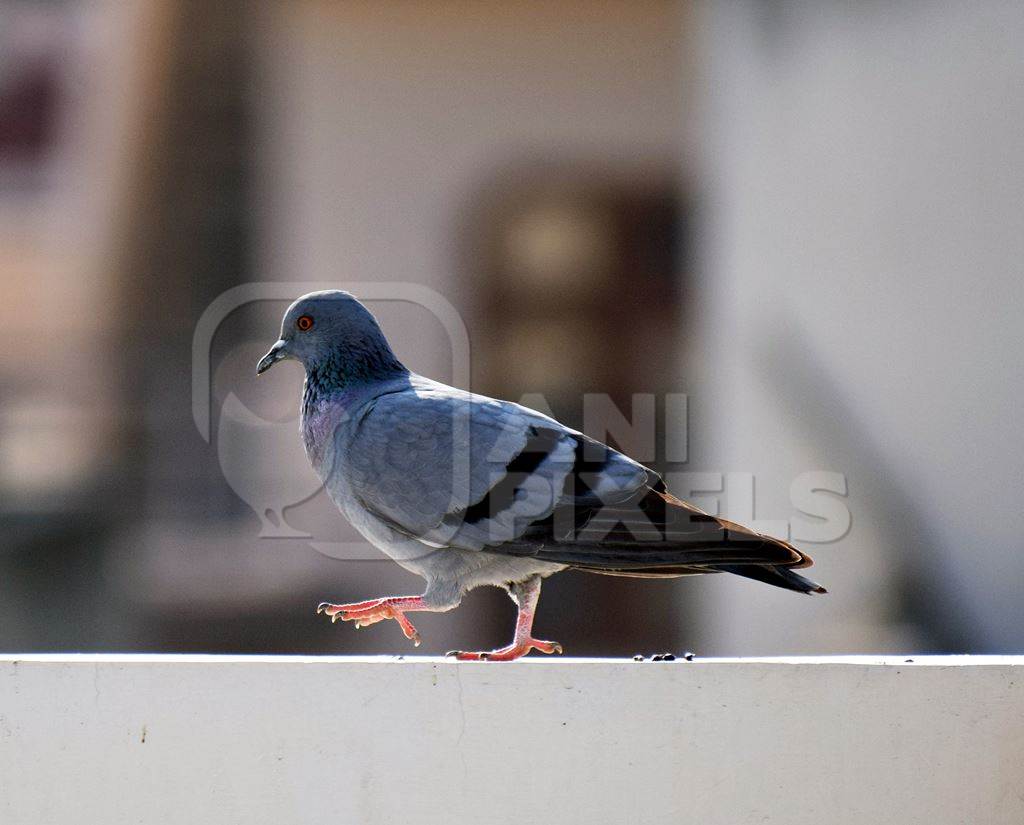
point(806, 218)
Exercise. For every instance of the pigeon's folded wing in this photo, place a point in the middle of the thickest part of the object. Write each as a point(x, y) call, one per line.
point(454, 470)
point(467, 471)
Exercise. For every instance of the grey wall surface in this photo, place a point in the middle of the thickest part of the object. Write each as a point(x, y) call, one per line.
point(862, 263)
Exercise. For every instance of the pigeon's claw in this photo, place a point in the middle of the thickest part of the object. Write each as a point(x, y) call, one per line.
point(332, 609)
point(525, 594)
point(364, 614)
point(509, 652)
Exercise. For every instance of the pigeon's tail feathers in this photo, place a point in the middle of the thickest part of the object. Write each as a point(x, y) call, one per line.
point(656, 535)
point(778, 576)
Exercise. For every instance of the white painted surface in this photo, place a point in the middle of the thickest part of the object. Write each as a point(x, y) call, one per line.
point(172, 739)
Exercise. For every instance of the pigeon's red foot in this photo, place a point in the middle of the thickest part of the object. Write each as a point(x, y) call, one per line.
point(525, 594)
point(370, 612)
point(508, 653)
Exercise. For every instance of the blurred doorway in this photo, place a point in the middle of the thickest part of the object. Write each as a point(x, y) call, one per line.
point(578, 275)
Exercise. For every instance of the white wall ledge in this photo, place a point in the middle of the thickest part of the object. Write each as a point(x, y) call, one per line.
point(292, 739)
point(929, 660)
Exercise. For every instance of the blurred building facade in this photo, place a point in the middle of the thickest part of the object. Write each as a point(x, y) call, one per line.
point(861, 257)
point(803, 217)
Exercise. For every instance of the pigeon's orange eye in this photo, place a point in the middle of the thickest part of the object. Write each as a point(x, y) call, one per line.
point(305, 323)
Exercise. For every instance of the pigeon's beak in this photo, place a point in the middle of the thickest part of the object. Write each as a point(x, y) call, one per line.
point(277, 352)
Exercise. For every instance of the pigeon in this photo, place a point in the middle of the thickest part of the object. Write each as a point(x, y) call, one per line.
point(466, 490)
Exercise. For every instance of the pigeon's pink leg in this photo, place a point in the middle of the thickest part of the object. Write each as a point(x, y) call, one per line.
point(377, 610)
point(526, 595)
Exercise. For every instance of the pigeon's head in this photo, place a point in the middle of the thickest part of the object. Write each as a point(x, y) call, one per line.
point(335, 338)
